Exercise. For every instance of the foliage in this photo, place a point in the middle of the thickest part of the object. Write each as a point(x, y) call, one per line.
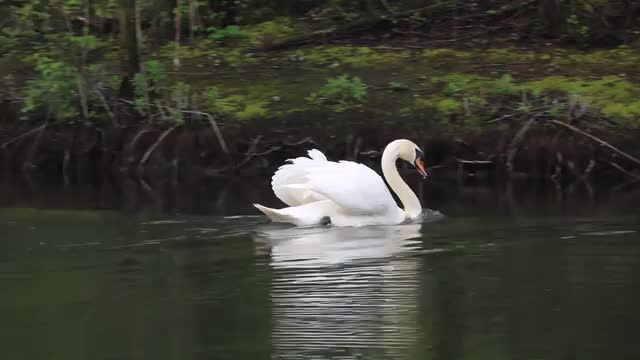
point(53, 91)
point(241, 107)
point(340, 93)
point(266, 33)
point(352, 56)
point(65, 58)
point(505, 86)
point(229, 32)
point(456, 86)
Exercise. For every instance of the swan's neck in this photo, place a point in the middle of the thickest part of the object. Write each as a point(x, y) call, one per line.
point(408, 198)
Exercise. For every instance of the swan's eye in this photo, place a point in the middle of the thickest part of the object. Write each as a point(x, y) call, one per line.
point(419, 154)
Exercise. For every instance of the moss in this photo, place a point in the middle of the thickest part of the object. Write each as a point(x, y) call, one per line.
point(508, 55)
point(445, 54)
point(505, 86)
point(266, 99)
point(442, 105)
point(612, 95)
point(352, 56)
point(620, 56)
point(268, 32)
point(253, 110)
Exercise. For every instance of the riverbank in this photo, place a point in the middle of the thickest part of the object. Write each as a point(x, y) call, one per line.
point(543, 112)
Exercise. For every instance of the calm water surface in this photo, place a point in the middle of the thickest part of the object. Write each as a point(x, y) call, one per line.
point(544, 282)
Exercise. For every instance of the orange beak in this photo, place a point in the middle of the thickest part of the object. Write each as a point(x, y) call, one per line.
point(420, 166)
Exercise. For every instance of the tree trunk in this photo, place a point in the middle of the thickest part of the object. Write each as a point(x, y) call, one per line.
point(176, 57)
point(192, 18)
point(138, 21)
point(130, 56)
point(553, 16)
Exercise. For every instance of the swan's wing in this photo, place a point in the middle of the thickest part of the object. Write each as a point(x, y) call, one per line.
point(353, 186)
point(289, 182)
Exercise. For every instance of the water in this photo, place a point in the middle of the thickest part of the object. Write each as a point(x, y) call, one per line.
point(517, 281)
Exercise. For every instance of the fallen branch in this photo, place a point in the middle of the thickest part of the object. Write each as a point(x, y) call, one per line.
point(155, 145)
point(250, 154)
point(598, 140)
point(132, 144)
point(23, 136)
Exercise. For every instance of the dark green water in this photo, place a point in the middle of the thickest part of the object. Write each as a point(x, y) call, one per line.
point(541, 282)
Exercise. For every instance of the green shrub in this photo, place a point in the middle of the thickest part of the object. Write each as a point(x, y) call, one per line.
point(340, 93)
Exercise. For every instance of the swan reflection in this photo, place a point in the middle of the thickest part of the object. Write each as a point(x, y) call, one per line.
point(344, 291)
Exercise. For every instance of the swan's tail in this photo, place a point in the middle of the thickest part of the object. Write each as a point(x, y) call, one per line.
point(315, 213)
point(274, 214)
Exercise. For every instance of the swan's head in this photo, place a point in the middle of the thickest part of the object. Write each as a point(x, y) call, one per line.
point(410, 152)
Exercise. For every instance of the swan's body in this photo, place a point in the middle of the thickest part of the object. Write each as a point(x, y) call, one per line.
point(345, 193)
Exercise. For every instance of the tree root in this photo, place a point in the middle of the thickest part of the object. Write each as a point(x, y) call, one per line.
point(65, 166)
point(515, 144)
point(31, 153)
point(128, 153)
point(23, 136)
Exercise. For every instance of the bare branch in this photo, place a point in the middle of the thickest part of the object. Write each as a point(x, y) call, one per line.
point(155, 145)
point(598, 140)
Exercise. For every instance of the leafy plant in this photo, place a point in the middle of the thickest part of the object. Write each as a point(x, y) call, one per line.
point(456, 86)
point(241, 107)
point(147, 84)
point(229, 32)
point(340, 93)
point(267, 32)
point(576, 30)
point(53, 89)
point(505, 86)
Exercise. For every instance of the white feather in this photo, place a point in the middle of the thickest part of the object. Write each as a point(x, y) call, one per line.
point(346, 192)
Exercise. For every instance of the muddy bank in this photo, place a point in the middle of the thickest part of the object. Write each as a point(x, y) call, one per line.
point(538, 148)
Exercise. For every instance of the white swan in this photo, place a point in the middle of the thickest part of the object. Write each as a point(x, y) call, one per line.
point(345, 193)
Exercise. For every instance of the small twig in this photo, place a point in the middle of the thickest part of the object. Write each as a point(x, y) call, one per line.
point(214, 127)
point(254, 145)
point(480, 66)
point(386, 6)
point(212, 121)
point(251, 152)
point(308, 139)
point(540, 110)
point(634, 176)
